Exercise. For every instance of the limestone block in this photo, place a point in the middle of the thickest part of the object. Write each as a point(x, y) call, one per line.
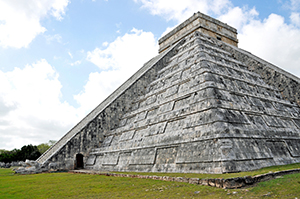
point(127, 135)
point(203, 182)
point(166, 155)
point(219, 182)
point(233, 183)
point(293, 147)
point(297, 121)
point(197, 152)
point(150, 100)
point(110, 158)
point(143, 156)
point(171, 91)
point(124, 159)
point(141, 116)
point(194, 181)
point(166, 107)
point(156, 129)
point(107, 141)
point(91, 160)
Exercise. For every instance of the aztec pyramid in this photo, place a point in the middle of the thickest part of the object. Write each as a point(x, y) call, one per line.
point(201, 106)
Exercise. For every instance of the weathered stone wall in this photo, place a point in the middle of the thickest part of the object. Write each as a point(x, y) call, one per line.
point(96, 132)
point(287, 84)
point(204, 24)
point(204, 107)
point(82, 143)
point(206, 112)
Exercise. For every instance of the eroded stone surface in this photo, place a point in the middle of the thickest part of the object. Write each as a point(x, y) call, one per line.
point(31, 167)
point(204, 107)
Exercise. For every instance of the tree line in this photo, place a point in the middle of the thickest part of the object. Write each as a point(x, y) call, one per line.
point(29, 152)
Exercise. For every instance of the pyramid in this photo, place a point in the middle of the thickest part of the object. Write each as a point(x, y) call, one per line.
point(201, 106)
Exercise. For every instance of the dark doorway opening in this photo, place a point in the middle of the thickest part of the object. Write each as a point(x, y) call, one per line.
point(79, 161)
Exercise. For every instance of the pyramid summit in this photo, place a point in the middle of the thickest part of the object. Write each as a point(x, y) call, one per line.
point(201, 106)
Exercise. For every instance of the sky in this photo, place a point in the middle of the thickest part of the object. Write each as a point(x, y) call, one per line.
point(59, 59)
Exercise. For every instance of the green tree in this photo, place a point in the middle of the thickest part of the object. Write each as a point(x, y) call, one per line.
point(3, 151)
point(45, 146)
point(27, 152)
point(51, 142)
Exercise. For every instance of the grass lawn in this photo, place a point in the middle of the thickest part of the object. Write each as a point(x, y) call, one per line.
point(225, 176)
point(67, 185)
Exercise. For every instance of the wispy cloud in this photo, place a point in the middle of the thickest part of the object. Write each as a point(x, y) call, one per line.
point(76, 63)
point(70, 54)
point(51, 38)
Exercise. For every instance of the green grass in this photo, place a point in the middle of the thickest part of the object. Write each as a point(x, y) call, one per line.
point(225, 176)
point(67, 185)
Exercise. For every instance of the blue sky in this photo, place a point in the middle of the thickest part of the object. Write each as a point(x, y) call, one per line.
point(61, 58)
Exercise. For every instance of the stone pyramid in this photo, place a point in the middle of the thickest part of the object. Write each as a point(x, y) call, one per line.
point(201, 106)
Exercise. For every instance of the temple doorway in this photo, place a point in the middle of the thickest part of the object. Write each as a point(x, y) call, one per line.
point(79, 161)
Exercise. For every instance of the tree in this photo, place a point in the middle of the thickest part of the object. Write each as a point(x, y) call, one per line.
point(3, 151)
point(51, 142)
point(27, 152)
point(45, 146)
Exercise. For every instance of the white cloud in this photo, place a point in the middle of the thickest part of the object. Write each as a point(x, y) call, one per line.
point(31, 110)
point(169, 29)
point(70, 54)
point(105, 44)
point(273, 40)
point(76, 63)
point(56, 57)
point(117, 62)
point(238, 17)
point(58, 8)
point(118, 25)
point(292, 5)
point(55, 37)
point(181, 10)
point(295, 18)
point(21, 19)
point(295, 5)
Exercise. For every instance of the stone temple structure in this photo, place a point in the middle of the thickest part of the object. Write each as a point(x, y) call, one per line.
point(202, 106)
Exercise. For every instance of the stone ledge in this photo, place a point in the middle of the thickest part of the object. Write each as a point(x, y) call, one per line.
point(230, 183)
point(191, 19)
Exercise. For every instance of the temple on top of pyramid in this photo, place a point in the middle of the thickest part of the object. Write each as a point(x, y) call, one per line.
point(203, 24)
point(201, 106)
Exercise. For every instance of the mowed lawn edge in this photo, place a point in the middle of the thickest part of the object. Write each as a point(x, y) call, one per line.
point(68, 185)
point(224, 176)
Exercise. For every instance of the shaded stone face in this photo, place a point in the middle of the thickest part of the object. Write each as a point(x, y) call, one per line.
point(201, 106)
